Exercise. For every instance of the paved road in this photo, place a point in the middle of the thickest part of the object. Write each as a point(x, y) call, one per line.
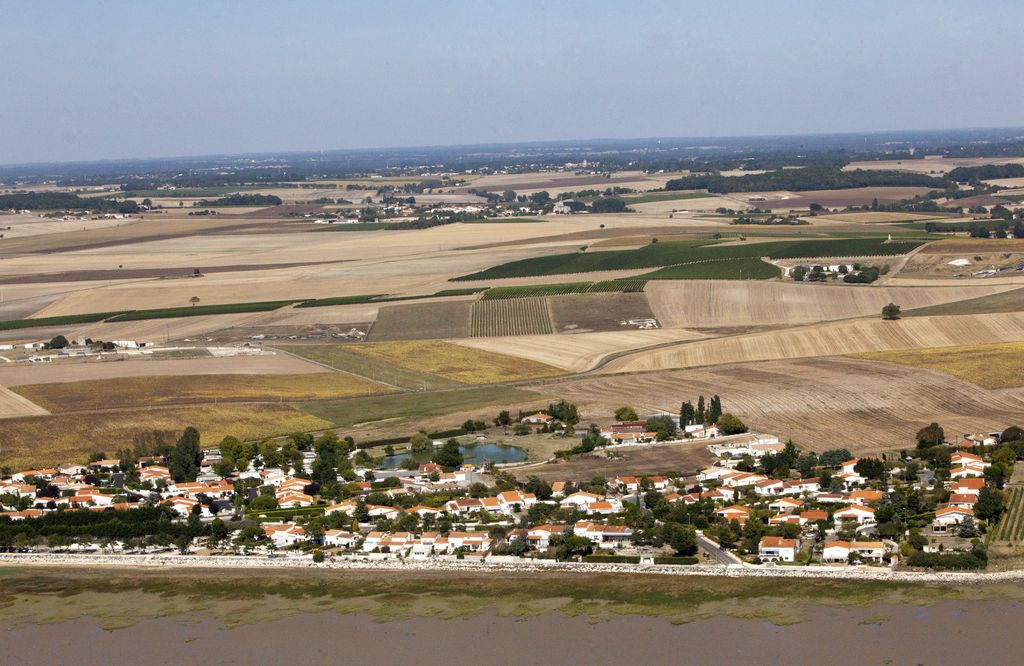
point(723, 556)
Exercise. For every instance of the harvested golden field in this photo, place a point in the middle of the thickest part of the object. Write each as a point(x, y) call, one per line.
point(858, 196)
point(145, 391)
point(997, 366)
point(578, 351)
point(714, 303)
point(833, 339)
point(878, 217)
point(934, 165)
point(1011, 300)
point(462, 364)
point(822, 403)
point(15, 374)
point(48, 440)
point(964, 245)
point(13, 405)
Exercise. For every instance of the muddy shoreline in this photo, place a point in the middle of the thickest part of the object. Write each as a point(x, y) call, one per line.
point(946, 632)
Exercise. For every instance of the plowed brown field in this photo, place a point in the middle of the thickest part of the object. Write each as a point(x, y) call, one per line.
point(822, 403)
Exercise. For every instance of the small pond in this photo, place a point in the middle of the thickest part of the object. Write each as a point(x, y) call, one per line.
point(473, 453)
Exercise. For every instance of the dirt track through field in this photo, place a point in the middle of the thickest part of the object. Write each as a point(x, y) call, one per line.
point(822, 403)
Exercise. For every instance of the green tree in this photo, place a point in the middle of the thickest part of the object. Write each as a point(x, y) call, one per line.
point(890, 312)
point(565, 412)
point(990, 505)
point(870, 468)
point(687, 414)
point(57, 342)
point(930, 435)
point(730, 425)
point(421, 443)
point(683, 539)
point(449, 456)
point(186, 456)
point(834, 457)
point(263, 503)
point(702, 413)
point(663, 425)
point(625, 413)
point(1012, 434)
point(715, 409)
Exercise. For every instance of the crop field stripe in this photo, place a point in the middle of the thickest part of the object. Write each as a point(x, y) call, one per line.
point(200, 310)
point(64, 320)
point(674, 253)
point(627, 285)
point(750, 268)
point(511, 316)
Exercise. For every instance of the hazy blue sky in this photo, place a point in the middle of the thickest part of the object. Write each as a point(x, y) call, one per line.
point(94, 80)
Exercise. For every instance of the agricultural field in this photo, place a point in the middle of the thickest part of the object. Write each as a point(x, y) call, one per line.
point(651, 197)
point(513, 316)
point(829, 339)
point(421, 321)
point(750, 268)
point(15, 374)
point(457, 363)
point(162, 390)
point(880, 217)
point(346, 358)
point(683, 252)
point(995, 366)
point(869, 406)
point(578, 352)
point(1010, 529)
point(686, 459)
point(47, 440)
point(404, 407)
point(860, 196)
point(583, 313)
point(13, 405)
point(626, 285)
point(1010, 300)
point(711, 304)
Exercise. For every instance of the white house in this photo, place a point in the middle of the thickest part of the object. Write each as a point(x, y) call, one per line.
point(839, 551)
point(340, 538)
point(777, 549)
point(604, 536)
point(860, 515)
point(950, 516)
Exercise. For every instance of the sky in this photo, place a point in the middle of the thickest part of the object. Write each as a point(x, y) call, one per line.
point(103, 80)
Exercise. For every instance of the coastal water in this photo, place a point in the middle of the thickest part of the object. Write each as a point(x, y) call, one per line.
point(948, 632)
point(473, 453)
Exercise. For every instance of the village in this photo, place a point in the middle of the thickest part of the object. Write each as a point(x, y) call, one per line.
point(762, 504)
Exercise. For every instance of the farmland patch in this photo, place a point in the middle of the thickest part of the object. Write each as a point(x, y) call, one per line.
point(454, 362)
point(48, 440)
point(422, 321)
point(597, 312)
point(994, 366)
point(513, 316)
